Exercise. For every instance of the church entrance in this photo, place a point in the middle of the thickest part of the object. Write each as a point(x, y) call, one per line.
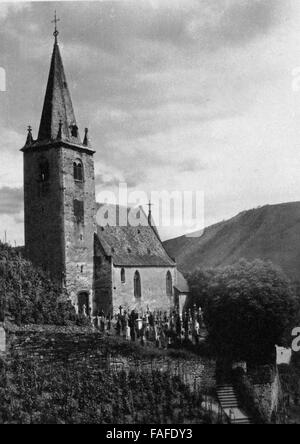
point(83, 304)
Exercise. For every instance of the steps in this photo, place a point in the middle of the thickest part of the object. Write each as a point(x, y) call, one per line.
point(230, 405)
point(227, 397)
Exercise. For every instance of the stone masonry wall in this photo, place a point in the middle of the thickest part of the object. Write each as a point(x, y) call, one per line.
point(43, 212)
point(102, 281)
point(79, 236)
point(154, 288)
point(269, 394)
point(198, 374)
point(78, 347)
point(55, 240)
point(264, 390)
point(111, 292)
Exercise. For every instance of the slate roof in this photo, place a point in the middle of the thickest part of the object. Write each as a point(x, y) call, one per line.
point(132, 246)
point(58, 125)
point(57, 104)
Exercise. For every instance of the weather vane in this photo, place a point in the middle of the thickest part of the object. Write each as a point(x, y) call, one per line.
point(55, 21)
point(150, 205)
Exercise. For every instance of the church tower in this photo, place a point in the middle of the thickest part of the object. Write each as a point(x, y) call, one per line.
point(59, 192)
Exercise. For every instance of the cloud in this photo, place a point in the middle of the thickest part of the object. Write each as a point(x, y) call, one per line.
point(11, 200)
point(19, 218)
point(111, 181)
point(177, 94)
point(203, 23)
point(107, 181)
point(11, 168)
point(12, 8)
point(191, 165)
point(234, 22)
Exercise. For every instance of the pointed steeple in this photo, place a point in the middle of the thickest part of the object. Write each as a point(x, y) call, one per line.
point(58, 104)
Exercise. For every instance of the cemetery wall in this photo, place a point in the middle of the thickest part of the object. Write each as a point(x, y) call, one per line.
point(85, 347)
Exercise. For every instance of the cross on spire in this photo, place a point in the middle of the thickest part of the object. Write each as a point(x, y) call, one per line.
point(55, 21)
point(150, 205)
point(58, 103)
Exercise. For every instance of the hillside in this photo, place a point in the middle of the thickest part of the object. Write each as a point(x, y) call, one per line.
point(27, 295)
point(268, 233)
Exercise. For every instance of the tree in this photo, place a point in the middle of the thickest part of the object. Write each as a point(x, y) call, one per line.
point(199, 284)
point(248, 308)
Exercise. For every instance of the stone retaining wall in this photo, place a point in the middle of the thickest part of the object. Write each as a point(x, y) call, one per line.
point(82, 347)
point(269, 394)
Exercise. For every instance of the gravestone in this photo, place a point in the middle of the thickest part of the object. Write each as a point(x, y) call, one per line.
point(2, 340)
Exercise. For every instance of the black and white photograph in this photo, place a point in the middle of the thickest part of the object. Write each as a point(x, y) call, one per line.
point(150, 215)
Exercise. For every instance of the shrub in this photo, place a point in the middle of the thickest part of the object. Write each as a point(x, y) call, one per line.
point(248, 399)
point(27, 295)
point(37, 393)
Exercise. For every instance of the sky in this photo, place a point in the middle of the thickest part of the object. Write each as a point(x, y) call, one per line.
point(178, 95)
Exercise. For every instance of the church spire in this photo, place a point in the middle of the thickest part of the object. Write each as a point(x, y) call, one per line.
point(55, 21)
point(58, 114)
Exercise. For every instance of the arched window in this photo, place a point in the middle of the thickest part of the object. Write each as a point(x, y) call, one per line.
point(78, 170)
point(44, 170)
point(137, 285)
point(123, 276)
point(169, 283)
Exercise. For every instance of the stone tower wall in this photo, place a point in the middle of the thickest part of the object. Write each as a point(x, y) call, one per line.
point(43, 203)
point(55, 238)
point(79, 235)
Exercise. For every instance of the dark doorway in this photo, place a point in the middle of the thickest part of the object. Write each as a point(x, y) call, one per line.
point(83, 304)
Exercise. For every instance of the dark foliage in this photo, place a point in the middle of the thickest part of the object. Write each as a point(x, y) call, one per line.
point(290, 378)
point(249, 307)
point(247, 397)
point(27, 295)
point(33, 393)
point(200, 287)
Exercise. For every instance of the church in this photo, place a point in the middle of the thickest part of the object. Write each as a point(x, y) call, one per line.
point(101, 267)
